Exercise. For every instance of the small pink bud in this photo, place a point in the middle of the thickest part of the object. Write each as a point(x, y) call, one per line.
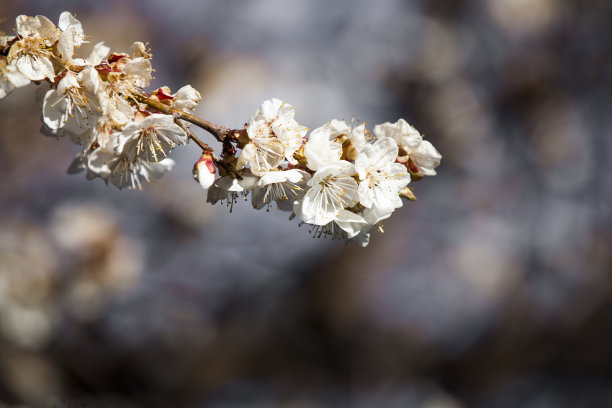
point(204, 171)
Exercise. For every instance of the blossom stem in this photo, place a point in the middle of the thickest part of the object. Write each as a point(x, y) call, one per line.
point(229, 169)
point(221, 133)
point(192, 136)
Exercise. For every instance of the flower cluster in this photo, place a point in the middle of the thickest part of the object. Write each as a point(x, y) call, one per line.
point(93, 101)
point(341, 179)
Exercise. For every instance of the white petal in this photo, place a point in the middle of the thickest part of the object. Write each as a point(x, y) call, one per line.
point(364, 161)
point(292, 138)
point(186, 98)
point(13, 76)
point(374, 215)
point(159, 169)
point(269, 108)
point(386, 149)
point(35, 68)
point(319, 151)
point(98, 164)
point(386, 198)
point(358, 138)
point(406, 136)
point(141, 69)
point(6, 87)
point(339, 128)
point(427, 158)
point(90, 80)
point(65, 45)
point(37, 27)
point(54, 110)
point(366, 195)
point(247, 154)
point(99, 52)
point(66, 83)
point(351, 223)
point(293, 176)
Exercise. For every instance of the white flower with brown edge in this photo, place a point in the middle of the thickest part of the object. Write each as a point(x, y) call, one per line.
point(72, 108)
point(138, 72)
point(10, 78)
point(114, 106)
point(381, 178)
point(419, 155)
point(186, 99)
point(151, 138)
point(332, 189)
point(283, 187)
point(274, 136)
point(32, 53)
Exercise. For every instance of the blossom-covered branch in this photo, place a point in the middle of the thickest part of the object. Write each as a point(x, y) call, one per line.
point(341, 179)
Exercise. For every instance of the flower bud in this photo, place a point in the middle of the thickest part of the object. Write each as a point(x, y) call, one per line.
point(204, 170)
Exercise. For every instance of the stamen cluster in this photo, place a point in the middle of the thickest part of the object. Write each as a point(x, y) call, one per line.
point(339, 178)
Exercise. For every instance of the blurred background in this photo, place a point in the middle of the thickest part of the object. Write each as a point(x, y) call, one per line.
point(493, 290)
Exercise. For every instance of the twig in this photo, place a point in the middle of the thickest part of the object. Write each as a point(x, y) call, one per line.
point(229, 169)
point(192, 136)
point(221, 133)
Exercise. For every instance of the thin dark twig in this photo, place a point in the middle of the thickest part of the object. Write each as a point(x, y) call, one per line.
point(221, 133)
point(229, 169)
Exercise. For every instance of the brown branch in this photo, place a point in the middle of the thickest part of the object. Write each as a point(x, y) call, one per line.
point(229, 169)
point(192, 136)
point(221, 133)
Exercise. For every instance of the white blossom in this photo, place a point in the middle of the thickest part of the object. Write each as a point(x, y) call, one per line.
point(412, 146)
point(71, 35)
point(321, 148)
point(381, 177)
point(406, 136)
point(137, 72)
point(274, 136)
point(284, 187)
point(186, 99)
point(71, 109)
point(426, 158)
point(152, 138)
point(114, 106)
point(123, 172)
point(33, 53)
point(341, 180)
point(10, 78)
point(332, 188)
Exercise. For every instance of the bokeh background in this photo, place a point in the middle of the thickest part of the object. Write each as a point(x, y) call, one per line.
point(493, 290)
